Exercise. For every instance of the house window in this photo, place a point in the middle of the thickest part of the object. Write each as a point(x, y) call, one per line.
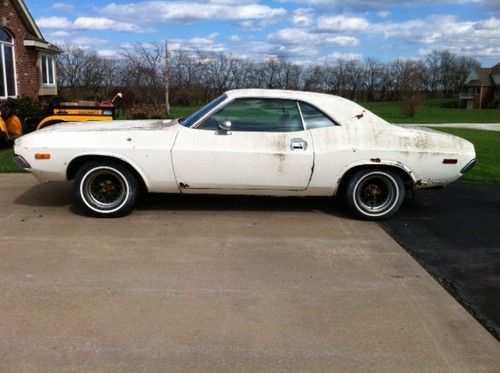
point(48, 70)
point(7, 65)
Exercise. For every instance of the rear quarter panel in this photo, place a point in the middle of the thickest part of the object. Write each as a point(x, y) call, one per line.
point(419, 153)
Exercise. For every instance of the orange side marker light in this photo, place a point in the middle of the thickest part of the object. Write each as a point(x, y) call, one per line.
point(41, 156)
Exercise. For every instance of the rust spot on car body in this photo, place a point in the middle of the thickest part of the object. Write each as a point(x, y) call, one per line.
point(281, 144)
point(184, 186)
point(359, 116)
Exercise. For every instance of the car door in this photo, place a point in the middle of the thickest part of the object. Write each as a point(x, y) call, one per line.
point(267, 148)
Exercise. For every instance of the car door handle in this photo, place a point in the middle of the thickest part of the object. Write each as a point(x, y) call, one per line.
point(298, 144)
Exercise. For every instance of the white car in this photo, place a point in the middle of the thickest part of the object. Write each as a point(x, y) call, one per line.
point(254, 142)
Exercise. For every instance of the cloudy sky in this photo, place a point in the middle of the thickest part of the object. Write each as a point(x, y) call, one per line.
point(301, 30)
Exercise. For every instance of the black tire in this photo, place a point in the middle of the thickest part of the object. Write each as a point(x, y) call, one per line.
point(374, 194)
point(106, 189)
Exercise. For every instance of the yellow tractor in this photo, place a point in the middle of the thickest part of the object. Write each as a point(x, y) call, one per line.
point(11, 126)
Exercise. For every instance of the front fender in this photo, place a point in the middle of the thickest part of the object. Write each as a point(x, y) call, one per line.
point(108, 155)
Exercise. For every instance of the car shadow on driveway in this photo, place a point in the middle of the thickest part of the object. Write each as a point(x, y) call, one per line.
point(53, 194)
point(60, 194)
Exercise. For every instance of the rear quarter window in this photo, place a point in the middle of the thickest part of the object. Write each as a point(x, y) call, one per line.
point(314, 118)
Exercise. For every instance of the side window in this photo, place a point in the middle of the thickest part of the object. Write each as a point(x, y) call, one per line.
point(314, 118)
point(257, 115)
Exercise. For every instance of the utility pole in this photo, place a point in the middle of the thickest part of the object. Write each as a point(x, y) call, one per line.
point(167, 78)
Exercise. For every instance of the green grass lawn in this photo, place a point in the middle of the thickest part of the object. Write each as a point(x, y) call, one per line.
point(6, 164)
point(487, 145)
point(182, 111)
point(432, 111)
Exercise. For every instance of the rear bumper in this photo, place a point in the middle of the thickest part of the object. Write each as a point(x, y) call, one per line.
point(469, 166)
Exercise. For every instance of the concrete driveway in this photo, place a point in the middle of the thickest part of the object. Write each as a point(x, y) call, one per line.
point(206, 283)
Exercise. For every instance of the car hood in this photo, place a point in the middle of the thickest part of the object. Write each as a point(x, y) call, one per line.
point(115, 125)
point(101, 135)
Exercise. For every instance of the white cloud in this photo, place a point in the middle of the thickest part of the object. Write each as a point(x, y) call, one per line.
point(303, 17)
point(87, 23)
point(343, 41)
point(108, 53)
point(152, 12)
point(377, 4)
point(259, 50)
point(340, 56)
point(88, 41)
point(490, 4)
point(384, 13)
point(342, 23)
point(63, 6)
point(59, 34)
point(480, 38)
point(197, 44)
point(54, 22)
point(297, 36)
point(214, 36)
point(101, 23)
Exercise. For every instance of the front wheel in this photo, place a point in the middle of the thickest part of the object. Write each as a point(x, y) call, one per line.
point(106, 189)
point(374, 194)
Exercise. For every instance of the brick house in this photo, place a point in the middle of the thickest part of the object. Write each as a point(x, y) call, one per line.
point(482, 88)
point(27, 60)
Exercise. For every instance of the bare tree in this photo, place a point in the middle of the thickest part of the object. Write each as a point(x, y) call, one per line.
point(196, 76)
point(85, 75)
point(143, 68)
point(411, 86)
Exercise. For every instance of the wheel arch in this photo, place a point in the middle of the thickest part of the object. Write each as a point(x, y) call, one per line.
point(405, 173)
point(77, 162)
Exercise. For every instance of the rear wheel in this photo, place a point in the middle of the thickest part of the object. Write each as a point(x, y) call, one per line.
point(106, 189)
point(374, 194)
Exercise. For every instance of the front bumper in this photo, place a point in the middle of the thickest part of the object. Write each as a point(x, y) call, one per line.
point(20, 161)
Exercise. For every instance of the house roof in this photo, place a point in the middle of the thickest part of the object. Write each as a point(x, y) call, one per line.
point(33, 37)
point(495, 70)
point(483, 76)
point(495, 74)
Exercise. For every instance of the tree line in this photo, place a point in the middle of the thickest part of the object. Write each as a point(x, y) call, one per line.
point(195, 77)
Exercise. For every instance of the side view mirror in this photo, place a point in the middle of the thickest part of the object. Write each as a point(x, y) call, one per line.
point(224, 127)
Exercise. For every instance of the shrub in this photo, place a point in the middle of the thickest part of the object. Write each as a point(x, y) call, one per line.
point(27, 107)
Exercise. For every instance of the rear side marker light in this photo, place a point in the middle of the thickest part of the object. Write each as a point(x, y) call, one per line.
point(450, 161)
point(41, 156)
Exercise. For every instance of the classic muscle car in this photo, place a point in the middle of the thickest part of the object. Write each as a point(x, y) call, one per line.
point(256, 142)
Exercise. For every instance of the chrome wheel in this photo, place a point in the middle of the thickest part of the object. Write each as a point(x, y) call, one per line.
point(105, 188)
point(375, 193)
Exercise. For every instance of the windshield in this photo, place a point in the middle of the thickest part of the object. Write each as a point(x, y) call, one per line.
point(189, 121)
